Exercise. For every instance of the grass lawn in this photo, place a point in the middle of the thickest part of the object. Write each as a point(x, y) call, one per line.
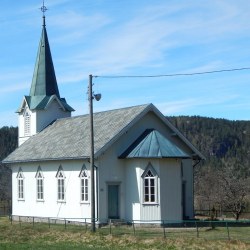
point(76, 237)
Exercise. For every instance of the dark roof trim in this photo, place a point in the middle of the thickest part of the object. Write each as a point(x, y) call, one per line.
point(47, 159)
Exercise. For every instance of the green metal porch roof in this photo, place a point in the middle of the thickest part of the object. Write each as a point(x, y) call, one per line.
point(152, 144)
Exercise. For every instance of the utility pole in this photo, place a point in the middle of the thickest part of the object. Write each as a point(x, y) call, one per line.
point(92, 170)
point(97, 97)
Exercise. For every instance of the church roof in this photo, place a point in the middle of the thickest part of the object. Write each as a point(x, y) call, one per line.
point(44, 77)
point(68, 138)
point(152, 144)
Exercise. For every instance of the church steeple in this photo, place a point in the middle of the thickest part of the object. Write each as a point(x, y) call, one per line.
point(44, 77)
point(43, 105)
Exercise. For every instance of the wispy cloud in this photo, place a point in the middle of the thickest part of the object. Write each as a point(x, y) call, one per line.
point(184, 106)
point(133, 37)
point(147, 37)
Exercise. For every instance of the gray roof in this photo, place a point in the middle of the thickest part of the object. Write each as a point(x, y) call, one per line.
point(68, 138)
point(152, 144)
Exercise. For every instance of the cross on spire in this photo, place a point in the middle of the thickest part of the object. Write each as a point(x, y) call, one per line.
point(43, 8)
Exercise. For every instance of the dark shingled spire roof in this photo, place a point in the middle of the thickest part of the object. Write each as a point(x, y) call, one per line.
point(44, 78)
point(44, 85)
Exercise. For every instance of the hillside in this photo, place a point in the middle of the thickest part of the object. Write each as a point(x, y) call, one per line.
point(222, 141)
point(223, 180)
point(8, 142)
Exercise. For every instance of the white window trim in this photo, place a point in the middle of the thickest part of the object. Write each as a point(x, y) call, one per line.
point(82, 172)
point(156, 178)
point(62, 177)
point(39, 178)
point(20, 177)
point(27, 118)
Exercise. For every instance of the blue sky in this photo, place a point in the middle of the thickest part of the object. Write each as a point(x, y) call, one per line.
point(142, 37)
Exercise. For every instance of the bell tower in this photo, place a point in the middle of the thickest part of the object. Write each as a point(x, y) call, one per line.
point(43, 105)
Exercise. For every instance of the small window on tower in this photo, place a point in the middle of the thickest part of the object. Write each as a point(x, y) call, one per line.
point(26, 123)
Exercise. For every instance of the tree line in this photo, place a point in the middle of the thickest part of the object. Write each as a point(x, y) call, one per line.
point(8, 143)
point(222, 182)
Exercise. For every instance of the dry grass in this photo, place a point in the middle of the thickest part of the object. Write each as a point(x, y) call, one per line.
point(75, 237)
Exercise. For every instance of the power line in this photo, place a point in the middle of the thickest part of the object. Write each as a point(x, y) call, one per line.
point(176, 74)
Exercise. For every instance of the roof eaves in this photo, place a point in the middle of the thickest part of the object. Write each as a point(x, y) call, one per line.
point(45, 159)
point(21, 108)
point(158, 157)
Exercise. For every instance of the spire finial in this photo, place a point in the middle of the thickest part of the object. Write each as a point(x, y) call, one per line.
point(43, 9)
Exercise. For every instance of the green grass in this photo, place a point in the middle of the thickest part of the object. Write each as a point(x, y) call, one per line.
point(25, 236)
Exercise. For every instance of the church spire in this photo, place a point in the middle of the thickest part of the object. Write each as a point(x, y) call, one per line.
point(44, 78)
point(43, 105)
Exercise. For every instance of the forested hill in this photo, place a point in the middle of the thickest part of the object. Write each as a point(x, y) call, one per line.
point(8, 142)
point(219, 140)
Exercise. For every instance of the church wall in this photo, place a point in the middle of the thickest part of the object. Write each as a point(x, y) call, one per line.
point(50, 206)
point(170, 189)
point(133, 189)
point(168, 205)
point(110, 172)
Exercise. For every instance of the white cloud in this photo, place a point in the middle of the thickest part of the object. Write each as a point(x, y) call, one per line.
point(185, 105)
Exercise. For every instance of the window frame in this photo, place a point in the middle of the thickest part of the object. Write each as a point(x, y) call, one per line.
point(152, 182)
point(61, 190)
point(84, 185)
point(27, 118)
point(39, 185)
point(20, 185)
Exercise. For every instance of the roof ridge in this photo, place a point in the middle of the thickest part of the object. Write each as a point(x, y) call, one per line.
point(104, 111)
point(115, 109)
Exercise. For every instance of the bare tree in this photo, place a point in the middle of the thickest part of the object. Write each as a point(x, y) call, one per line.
point(233, 191)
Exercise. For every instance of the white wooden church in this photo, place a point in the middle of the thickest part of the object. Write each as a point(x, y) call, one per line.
point(143, 164)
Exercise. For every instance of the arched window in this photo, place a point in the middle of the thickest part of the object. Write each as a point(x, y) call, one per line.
point(20, 184)
point(60, 184)
point(26, 123)
point(84, 184)
point(39, 184)
point(150, 185)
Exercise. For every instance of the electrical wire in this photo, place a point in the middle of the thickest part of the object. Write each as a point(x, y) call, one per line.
point(172, 75)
